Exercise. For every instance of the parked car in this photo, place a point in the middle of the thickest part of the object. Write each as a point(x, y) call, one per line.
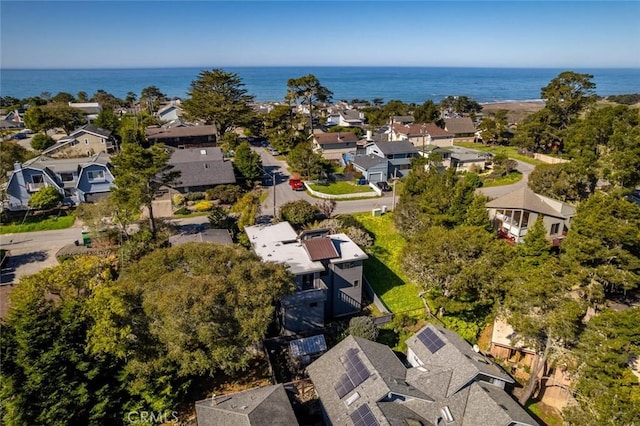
point(296, 184)
point(384, 186)
point(19, 136)
point(273, 151)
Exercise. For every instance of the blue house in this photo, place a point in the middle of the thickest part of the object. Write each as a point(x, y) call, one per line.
point(78, 180)
point(382, 160)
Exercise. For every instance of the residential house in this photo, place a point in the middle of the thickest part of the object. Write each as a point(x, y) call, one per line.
point(402, 119)
point(78, 180)
point(82, 142)
point(332, 146)
point(462, 128)
point(200, 169)
point(514, 213)
point(182, 135)
point(265, 406)
point(373, 167)
point(462, 159)
point(15, 116)
point(89, 109)
point(327, 269)
point(421, 134)
point(400, 154)
point(346, 118)
point(170, 112)
point(361, 382)
point(555, 383)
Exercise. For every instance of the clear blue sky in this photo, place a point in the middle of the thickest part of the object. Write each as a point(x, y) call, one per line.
point(98, 34)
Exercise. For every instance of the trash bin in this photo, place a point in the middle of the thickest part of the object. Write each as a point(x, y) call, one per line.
point(86, 240)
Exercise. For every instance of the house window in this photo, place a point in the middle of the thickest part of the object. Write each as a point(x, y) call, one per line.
point(555, 228)
point(313, 305)
point(356, 283)
point(348, 265)
point(95, 174)
point(206, 166)
point(74, 142)
point(102, 140)
point(37, 179)
point(86, 141)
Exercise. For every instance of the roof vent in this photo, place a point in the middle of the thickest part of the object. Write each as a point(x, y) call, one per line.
point(203, 152)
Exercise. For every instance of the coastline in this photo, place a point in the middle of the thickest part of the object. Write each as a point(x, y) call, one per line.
point(516, 110)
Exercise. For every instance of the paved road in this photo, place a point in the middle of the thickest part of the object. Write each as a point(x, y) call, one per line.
point(284, 193)
point(499, 191)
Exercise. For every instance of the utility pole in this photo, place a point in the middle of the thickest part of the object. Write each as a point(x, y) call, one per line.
point(273, 179)
point(393, 202)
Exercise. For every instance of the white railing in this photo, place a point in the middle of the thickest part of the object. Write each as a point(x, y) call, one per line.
point(33, 187)
point(341, 196)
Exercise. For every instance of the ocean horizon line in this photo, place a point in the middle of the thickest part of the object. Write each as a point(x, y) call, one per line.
point(314, 66)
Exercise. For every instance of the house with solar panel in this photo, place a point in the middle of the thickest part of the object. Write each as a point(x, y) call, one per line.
point(327, 270)
point(364, 383)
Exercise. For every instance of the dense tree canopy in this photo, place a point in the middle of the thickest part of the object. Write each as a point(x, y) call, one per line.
point(46, 198)
point(219, 97)
point(604, 386)
point(309, 90)
point(10, 154)
point(139, 174)
point(603, 245)
point(248, 163)
point(43, 351)
point(299, 212)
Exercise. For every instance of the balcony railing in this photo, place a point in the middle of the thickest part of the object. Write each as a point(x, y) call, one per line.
point(34, 187)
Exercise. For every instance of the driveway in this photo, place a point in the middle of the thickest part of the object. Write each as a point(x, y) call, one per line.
point(499, 191)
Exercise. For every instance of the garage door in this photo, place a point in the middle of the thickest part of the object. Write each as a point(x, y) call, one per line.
point(375, 177)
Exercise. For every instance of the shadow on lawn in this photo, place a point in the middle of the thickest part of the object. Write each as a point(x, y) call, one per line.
point(381, 278)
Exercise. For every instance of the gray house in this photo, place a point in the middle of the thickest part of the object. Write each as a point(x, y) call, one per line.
point(514, 213)
point(327, 269)
point(263, 406)
point(382, 160)
point(78, 180)
point(200, 169)
point(361, 382)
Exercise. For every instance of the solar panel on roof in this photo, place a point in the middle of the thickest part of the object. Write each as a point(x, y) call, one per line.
point(363, 417)
point(429, 338)
point(343, 386)
point(356, 370)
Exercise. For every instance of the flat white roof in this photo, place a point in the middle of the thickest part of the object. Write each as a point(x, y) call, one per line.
point(278, 242)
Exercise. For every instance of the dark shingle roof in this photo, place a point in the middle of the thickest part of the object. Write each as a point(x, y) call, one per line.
point(417, 129)
point(264, 406)
point(201, 167)
point(368, 161)
point(335, 138)
point(455, 354)
point(459, 125)
point(214, 236)
point(525, 199)
point(396, 395)
point(179, 132)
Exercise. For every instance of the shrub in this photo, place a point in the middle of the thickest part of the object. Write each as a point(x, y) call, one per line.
point(195, 196)
point(40, 142)
point(299, 212)
point(46, 198)
point(363, 327)
point(177, 199)
point(203, 206)
point(227, 194)
point(182, 211)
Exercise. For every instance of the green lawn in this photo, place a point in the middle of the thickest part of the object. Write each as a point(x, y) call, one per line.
point(510, 151)
point(340, 188)
point(35, 223)
point(509, 179)
point(383, 269)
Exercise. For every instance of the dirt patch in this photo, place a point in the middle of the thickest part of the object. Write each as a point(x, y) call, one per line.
point(517, 111)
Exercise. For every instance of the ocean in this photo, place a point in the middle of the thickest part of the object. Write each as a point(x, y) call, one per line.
point(407, 84)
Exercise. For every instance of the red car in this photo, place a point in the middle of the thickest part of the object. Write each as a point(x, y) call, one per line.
point(296, 184)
